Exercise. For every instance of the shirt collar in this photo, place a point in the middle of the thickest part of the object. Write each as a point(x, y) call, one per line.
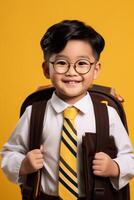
point(83, 104)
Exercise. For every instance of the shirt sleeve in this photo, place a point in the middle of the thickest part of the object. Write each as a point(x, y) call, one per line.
point(15, 148)
point(125, 155)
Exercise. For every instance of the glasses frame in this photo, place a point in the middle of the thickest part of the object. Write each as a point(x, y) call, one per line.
point(74, 66)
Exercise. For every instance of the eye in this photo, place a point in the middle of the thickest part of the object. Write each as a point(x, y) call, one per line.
point(83, 62)
point(60, 62)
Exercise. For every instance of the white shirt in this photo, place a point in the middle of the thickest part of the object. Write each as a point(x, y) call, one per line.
point(17, 146)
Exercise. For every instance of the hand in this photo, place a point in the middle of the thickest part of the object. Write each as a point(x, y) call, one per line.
point(104, 166)
point(32, 162)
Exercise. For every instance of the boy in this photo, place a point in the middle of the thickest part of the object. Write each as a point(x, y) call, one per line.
point(71, 51)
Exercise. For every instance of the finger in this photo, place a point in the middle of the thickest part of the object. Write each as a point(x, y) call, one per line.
point(96, 167)
point(39, 156)
point(36, 151)
point(42, 149)
point(40, 161)
point(97, 162)
point(97, 172)
point(40, 165)
point(99, 156)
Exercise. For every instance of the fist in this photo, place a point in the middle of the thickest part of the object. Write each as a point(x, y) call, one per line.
point(32, 162)
point(104, 166)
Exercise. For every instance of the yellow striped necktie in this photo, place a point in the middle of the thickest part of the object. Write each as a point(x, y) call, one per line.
point(68, 184)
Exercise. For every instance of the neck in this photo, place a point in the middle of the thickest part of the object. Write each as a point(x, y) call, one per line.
point(71, 100)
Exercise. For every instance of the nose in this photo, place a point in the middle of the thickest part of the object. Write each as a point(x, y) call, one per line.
point(71, 71)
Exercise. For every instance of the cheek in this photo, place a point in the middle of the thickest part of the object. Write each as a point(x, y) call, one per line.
point(55, 78)
point(93, 75)
point(89, 78)
point(52, 74)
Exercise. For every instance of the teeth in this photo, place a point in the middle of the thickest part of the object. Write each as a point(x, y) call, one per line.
point(71, 82)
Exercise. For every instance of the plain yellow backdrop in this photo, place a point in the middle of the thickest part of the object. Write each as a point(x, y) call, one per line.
point(22, 24)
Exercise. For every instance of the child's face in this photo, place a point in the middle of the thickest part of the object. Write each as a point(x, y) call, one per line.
point(72, 86)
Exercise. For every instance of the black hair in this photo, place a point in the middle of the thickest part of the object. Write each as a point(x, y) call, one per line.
point(57, 36)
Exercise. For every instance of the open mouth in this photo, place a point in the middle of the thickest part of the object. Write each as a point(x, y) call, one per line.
point(71, 82)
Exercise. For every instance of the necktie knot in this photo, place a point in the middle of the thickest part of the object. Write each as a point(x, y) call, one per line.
point(70, 113)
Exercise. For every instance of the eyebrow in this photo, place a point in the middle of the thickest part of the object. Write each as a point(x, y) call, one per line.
point(64, 56)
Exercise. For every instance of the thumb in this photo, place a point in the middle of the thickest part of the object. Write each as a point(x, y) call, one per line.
point(41, 148)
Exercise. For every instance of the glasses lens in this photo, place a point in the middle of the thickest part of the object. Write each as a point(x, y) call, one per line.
point(83, 66)
point(61, 66)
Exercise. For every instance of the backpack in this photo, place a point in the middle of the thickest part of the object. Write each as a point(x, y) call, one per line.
point(97, 188)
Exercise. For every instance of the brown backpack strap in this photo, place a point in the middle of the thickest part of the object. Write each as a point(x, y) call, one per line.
point(31, 188)
point(36, 124)
point(104, 142)
point(102, 125)
point(102, 137)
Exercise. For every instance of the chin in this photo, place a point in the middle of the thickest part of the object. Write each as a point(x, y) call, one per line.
point(73, 95)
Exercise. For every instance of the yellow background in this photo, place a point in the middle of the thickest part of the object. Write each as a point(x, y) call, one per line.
point(22, 24)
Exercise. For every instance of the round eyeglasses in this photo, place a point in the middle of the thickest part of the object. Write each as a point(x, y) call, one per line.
point(81, 66)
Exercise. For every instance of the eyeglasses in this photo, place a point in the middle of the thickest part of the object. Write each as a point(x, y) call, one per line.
point(81, 66)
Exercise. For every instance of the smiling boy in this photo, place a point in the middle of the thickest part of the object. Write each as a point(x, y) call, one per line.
point(71, 51)
point(72, 85)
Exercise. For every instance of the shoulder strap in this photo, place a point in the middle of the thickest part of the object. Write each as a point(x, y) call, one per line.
point(105, 142)
point(102, 123)
point(36, 124)
point(31, 188)
point(102, 134)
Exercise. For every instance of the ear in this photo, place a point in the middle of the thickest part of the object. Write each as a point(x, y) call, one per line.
point(45, 68)
point(97, 69)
